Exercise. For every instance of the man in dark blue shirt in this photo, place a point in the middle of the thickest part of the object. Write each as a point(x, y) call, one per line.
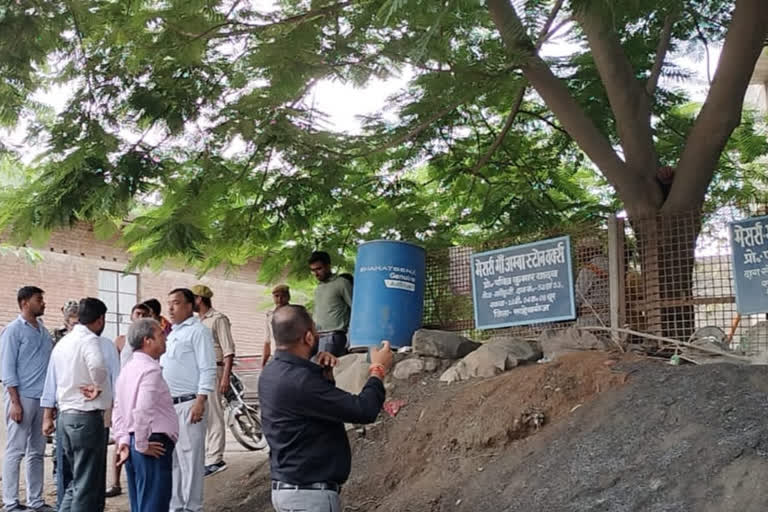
point(303, 415)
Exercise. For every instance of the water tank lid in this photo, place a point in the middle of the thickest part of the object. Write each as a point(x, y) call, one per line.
point(371, 242)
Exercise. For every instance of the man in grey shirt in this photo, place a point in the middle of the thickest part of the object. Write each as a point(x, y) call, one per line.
point(333, 305)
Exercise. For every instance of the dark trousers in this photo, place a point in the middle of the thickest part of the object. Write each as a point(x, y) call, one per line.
point(333, 342)
point(149, 478)
point(82, 451)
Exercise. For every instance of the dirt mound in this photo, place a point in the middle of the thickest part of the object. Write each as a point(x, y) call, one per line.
point(631, 436)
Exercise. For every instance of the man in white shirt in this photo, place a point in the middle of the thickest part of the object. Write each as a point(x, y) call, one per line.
point(48, 400)
point(83, 393)
point(189, 368)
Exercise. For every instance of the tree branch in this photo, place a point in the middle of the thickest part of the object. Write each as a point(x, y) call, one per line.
point(544, 120)
point(415, 130)
point(518, 101)
point(252, 28)
point(629, 103)
point(558, 98)
point(661, 53)
point(721, 113)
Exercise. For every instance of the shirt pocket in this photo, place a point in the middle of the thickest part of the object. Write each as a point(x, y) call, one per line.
point(181, 349)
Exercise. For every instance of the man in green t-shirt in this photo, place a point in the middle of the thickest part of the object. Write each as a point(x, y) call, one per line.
point(333, 305)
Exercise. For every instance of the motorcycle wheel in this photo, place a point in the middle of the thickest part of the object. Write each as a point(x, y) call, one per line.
point(245, 425)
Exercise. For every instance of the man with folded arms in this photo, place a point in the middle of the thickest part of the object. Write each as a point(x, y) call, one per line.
point(145, 425)
point(189, 368)
point(83, 393)
point(303, 415)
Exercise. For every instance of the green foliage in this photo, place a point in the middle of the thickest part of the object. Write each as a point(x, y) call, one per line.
point(194, 120)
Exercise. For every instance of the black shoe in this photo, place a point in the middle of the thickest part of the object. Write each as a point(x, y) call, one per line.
point(212, 469)
point(113, 491)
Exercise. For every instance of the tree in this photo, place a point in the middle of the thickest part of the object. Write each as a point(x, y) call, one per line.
point(203, 109)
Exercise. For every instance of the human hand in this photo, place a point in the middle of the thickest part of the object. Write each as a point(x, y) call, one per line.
point(17, 412)
point(155, 449)
point(224, 384)
point(382, 355)
point(90, 392)
point(48, 426)
point(122, 454)
point(326, 359)
point(197, 411)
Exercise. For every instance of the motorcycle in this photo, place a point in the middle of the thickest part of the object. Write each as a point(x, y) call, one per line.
point(243, 418)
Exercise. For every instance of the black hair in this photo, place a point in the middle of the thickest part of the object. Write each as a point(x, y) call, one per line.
point(290, 323)
point(186, 292)
point(154, 306)
point(320, 257)
point(206, 301)
point(27, 292)
point(143, 306)
point(90, 310)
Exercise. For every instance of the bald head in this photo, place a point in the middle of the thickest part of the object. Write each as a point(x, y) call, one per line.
point(290, 323)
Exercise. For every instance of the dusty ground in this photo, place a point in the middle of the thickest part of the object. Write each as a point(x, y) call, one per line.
point(218, 488)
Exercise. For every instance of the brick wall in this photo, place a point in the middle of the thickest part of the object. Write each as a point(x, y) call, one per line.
point(70, 270)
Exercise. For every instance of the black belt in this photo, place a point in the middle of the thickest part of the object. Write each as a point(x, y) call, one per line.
point(320, 486)
point(77, 411)
point(330, 333)
point(183, 398)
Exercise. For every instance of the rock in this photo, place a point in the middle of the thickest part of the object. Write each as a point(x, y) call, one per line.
point(554, 343)
point(754, 342)
point(492, 358)
point(442, 344)
point(452, 374)
point(351, 372)
point(432, 364)
point(405, 369)
point(518, 348)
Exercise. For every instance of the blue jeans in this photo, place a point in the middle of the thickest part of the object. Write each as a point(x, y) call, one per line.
point(150, 478)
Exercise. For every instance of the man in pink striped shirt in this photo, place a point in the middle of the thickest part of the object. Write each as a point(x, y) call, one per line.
point(145, 424)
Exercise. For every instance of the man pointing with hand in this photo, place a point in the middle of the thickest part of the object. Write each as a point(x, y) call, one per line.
point(303, 415)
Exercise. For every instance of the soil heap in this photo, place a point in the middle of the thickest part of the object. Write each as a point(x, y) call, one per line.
point(586, 433)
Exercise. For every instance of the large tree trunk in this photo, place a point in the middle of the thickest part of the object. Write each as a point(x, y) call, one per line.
point(667, 251)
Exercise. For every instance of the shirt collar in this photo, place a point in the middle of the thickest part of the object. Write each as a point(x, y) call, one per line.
point(146, 357)
point(283, 355)
point(39, 323)
point(189, 321)
point(82, 330)
point(209, 313)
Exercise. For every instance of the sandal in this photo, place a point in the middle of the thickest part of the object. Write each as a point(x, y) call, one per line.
point(113, 491)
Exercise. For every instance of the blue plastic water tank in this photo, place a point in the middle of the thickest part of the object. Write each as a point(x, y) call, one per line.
point(388, 298)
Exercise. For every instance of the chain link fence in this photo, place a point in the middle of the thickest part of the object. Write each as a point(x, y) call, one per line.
point(448, 292)
point(673, 279)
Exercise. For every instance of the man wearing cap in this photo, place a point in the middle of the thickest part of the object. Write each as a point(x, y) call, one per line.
point(281, 296)
point(224, 347)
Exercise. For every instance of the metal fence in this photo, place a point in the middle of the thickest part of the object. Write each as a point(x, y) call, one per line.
point(448, 291)
point(672, 277)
